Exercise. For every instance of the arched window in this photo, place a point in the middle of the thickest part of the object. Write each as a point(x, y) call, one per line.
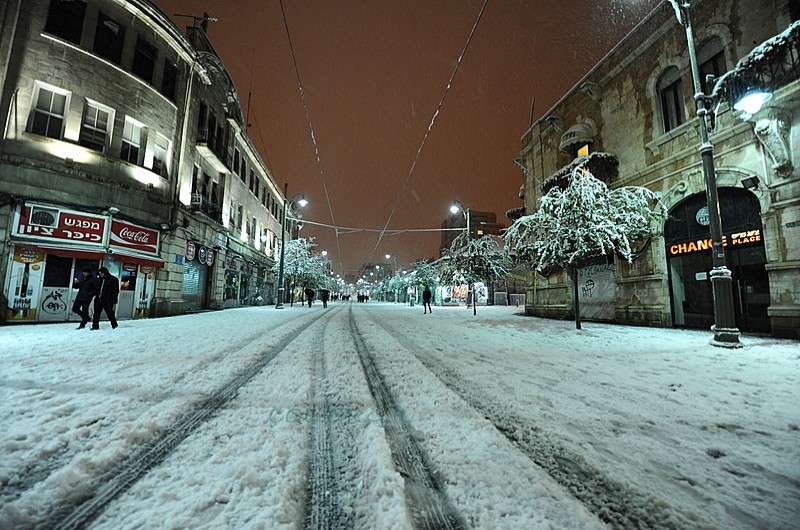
point(670, 94)
point(711, 59)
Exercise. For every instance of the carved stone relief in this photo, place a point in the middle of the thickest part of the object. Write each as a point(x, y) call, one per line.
point(773, 133)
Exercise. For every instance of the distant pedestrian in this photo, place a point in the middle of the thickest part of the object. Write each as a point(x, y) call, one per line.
point(86, 286)
point(324, 296)
point(309, 296)
point(426, 300)
point(106, 294)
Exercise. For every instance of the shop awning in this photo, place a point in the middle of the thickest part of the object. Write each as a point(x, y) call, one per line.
point(139, 259)
point(65, 252)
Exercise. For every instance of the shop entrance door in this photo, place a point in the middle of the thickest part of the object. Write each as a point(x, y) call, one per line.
point(750, 288)
point(688, 245)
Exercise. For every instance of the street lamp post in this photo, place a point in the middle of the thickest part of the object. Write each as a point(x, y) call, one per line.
point(300, 200)
point(455, 208)
point(726, 333)
point(458, 207)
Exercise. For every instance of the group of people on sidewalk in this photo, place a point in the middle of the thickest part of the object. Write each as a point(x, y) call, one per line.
point(104, 290)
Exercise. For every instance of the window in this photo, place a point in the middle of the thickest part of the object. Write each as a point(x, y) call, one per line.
point(253, 229)
point(712, 61)
point(160, 155)
point(144, 60)
point(236, 161)
point(131, 141)
point(65, 19)
point(169, 81)
point(670, 94)
point(239, 214)
point(49, 111)
point(95, 126)
point(108, 38)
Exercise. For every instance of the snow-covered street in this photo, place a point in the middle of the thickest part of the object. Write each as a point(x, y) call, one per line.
point(377, 416)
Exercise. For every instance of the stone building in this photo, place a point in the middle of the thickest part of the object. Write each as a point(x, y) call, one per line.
point(633, 119)
point(124, 145)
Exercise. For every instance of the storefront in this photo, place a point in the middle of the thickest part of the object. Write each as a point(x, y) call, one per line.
point(688, 248)
point(198, 264)
point(52, 245)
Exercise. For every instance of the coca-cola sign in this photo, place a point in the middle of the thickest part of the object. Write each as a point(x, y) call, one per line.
point(129, 236)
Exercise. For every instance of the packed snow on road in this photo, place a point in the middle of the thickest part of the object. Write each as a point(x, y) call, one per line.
point(376, 416)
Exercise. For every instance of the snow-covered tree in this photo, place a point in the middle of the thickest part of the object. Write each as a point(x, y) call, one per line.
point(425, 274)
point(581, 220)
point(302, 266)
point(474, 260)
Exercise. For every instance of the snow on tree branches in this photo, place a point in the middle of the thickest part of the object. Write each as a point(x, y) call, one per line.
point(584, 219)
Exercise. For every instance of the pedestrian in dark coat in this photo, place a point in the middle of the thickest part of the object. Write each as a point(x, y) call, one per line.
point(426, 300)
point(86, 286)
point(106, 294)
point(325, 296)
point(309, 296)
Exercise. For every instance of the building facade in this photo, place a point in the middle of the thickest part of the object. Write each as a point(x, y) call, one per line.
point(632, 119)
point(124, 145)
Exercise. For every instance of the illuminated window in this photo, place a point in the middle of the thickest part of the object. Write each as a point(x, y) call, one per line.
point(49, 111)
point(583, 150)
point(95, 126)
point(131, 140)
point(160, 155)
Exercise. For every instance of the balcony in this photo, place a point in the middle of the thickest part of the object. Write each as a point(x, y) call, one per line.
point(211, 149)
point(201, 203)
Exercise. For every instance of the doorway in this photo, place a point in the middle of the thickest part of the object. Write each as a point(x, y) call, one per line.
point(688, 243)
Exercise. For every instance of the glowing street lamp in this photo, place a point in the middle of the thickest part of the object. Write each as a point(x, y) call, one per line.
point(458, 207)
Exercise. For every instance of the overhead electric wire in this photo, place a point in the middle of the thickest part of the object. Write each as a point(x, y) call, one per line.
point(311, 130)
point(427, 133)
point(392, 232)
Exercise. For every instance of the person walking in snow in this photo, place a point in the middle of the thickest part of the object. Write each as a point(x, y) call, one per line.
point(85, 294)
point(426, 300)
point(309, 296)
point(106, 294)
point(324, 296)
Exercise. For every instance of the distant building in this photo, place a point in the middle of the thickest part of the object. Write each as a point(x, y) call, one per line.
point(481, 224)
point(633, 119)
point(125, 146)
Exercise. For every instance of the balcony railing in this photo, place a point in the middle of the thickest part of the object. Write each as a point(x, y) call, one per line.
point(201, 203)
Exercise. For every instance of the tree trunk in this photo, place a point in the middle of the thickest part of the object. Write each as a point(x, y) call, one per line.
point(575, 302)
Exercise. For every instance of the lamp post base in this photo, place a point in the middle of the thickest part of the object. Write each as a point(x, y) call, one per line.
point(726, 337)
point(279, 305)
point(726, 334)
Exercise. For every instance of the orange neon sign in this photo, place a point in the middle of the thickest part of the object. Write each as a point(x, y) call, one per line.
point(736, 239)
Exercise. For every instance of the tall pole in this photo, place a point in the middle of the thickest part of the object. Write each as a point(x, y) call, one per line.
point(281, 289)
point(726, 334)
point(469, 236)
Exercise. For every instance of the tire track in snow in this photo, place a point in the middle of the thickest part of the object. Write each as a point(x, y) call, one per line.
point(43, 465)
point(612, 502)
point(429, 506)
point(322, 509)
point(116, 481)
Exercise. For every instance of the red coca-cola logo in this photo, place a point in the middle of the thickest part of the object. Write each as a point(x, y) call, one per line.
point(132, 235)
